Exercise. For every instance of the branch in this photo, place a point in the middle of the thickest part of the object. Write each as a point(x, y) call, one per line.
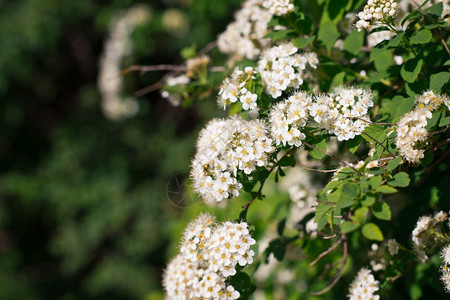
point(340, 272)
point(333, 156)
point(381, 144)
point(329, 250)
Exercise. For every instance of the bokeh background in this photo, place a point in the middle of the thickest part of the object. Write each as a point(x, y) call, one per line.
point(84, 208)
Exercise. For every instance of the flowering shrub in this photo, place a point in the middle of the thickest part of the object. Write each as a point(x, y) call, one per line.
point(307, 90)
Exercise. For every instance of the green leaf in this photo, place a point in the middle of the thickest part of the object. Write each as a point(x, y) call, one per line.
point(400, 180)
point(378, 50)
point(382, 211)
point(374, 131)
point(431, 123)
point(444, 122)
point(303, 42)
point(287, 161)
point(368, 200)
point(344, 195)
point(360, 215)
point(243, 284)
point(395, 41)
point(280, 34)
point(354, 143)
point(189, 52)
point(348, 227)
point(278, 248)
point(375, 181)
point(281, 226)
point(383, 61)
point(385, 189)
point(321, 210)
point(393, 164)
point(421, 37)
point(338, 79)
point(319, 145)
point(372, 232)
point(435, 9)
point(328, 33)
point(353, 42)
point(411, 69)
point(399, 106)
point(437, 81)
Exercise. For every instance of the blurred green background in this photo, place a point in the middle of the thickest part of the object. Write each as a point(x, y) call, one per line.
point(84, 211)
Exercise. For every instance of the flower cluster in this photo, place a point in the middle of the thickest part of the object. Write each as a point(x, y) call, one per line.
point(279, 7)
point(234, 88)
point(224, 148)
point(197, 66)
point(393, 247)
point(376, 11)
point(282, 67)
point(287, 117)
point(445, 267)
point(245, 36)
point(343, 112)
point(172, 81)
point(364, 286)
point(411, 127)
point(209, 255)
point(423, 236)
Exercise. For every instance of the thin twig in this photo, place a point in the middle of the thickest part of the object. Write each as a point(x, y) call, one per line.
point(340, 272)
point(381, 144)
point(333, 156)
point(442, 40)
point(208, 48)
point(326, 252)
point(413, 264)
point(318, 170)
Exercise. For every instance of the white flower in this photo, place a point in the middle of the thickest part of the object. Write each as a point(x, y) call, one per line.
point(218, 248)
point(281, 67)
point(344, 112)
point(245, 36)
point(224, 148)
point(233, 89)
point(279, 7)
point(288, 117)
point(392, 247)
point(364, 286)
point(411, 127)
point(376, 12)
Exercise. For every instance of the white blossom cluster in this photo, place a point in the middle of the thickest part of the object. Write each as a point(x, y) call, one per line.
point(197, 65)
point(343, 112)
point(422, 235)
point(393, 246)
point(171, 81)
point(411, 127)
point(244, 37)
point(282, 67)
point(209, 255)
point(279, 7)
point(224, 148)
point(375, 11)
point(286, 119)
point(233, 89)
point(364, 286)
point(117, 46)
point(445, 267)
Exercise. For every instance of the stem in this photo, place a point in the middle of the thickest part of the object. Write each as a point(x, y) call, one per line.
point(381, 144)
point(340, 272)
point(333, 156)
point(442, 40)
point(329, 250)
